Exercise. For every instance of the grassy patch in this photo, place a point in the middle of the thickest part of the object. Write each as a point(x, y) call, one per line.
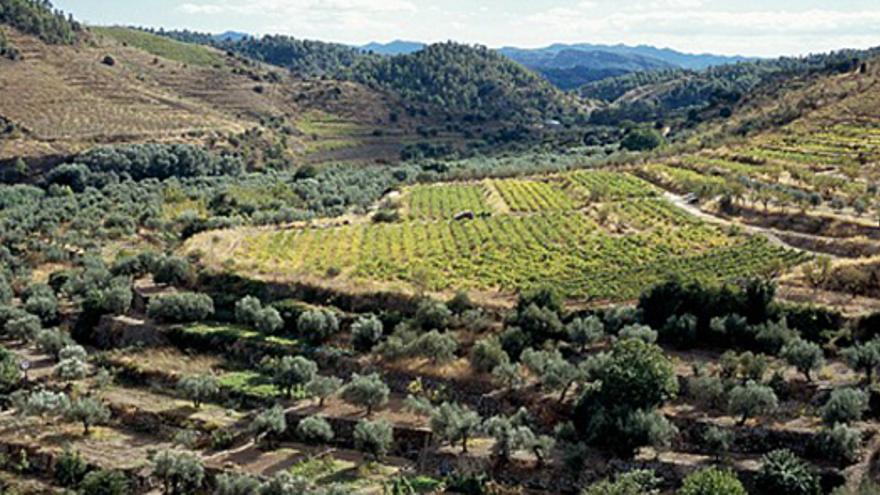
point(249, 383)
point(186, 53)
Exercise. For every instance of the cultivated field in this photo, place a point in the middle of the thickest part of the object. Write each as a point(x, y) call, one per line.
point(597, 235)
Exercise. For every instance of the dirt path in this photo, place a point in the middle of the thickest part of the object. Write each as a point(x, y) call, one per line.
point(771, 235)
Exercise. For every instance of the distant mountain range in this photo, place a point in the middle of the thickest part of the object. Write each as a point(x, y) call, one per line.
point(572, 66)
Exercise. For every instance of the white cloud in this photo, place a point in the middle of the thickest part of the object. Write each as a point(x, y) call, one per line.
point(298, 7)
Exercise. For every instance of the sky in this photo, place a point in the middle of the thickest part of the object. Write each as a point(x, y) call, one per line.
point(731, 27)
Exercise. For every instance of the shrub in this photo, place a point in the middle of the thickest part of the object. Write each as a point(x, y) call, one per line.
point(642, 140)
point(712, 481)
point(366, 332)
point(10, 372)
point(314, 429)
point(70, 469)
point(439, 347)
point(487, 354)
point(246, 310)
point(52, 340)
point(864, 358)
point(540, 323)
point(750, 400)
point(23, 327)
point(236, 484)
point(373, 438)
point(173, 270)
point(784, 473)
point(105, 482)
point(585, 331)
point(706, 391)
point(635, 482)
point(640, 332)
point(803, 355)
point(268, 320)
point(845, 405)
point(367, 391)
point(680, 330)
point(637, 375)
point(181, 308)
point(514, 341)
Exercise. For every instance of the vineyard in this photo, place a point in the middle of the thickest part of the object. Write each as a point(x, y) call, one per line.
point(543, 237)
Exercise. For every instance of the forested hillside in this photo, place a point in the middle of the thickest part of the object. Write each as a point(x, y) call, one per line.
point(37, 17)
point(678, 93)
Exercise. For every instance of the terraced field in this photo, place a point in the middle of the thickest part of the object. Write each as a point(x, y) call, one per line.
point(545, 230)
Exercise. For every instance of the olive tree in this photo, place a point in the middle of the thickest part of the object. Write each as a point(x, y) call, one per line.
point(750, 400)
point(367, 391)
point(289, 372)
point(181, 473)
point(199, 388)
point(268, 423)
point(803, 355)
point(373, 438)
point(317, 326)
point(366, 332)
point(314, 429)
point(181, 308)
point(88, 411)
point(864, 358)
point(487, 354)
point(585, 331)
point(844, 405)
point(453, 422)
point(322, 387)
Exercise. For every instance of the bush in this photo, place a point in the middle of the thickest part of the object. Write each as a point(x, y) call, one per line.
point(52, 341)
point(105, 482)
point(845, 405)
point(289, 372)
point(642, 140)
point(236, 484)
point(712, 481)
point(863, 357)
point(640, 332)
point(373, 438)
point(637, 375)
point(366, 332)
point(585, 331)
point(708, 392)
point(314, 429)
point(717, 440)
point(179, 472)
point(173, 270)
point(181, 308)
point(635, 482)
point(680, 330)
point(783, 473)
point(439, 347)
point(268, 423)
point(70, 469)
point(23, 327)
point(487, 354)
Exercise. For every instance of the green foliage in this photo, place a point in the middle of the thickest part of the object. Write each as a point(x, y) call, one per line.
point(636, 482)
point(185, 53)
point(317, 326)
point(585, 331)
point(88, 411)
point(70, 468)
point(314, 429)
point(845, 405)
point(637, 375)
point(750, 400)
point(368, 391)
point(717, 440)
point(181, 473)
point(432, 315)
point(52, 341)
point(10, 373)
point(174, 270)
point(181, 308)
point(37, 17)
point(158, 161)
point(712, 481)
point(323, 387)
point(373, 438)
point(453, 422)
point(268, 423)
point(642, 140)
point(803, 355)
point(839, 443)
point(366, 332)
point(106, 482)
point(784, 473)
point(864, 358)
point(487, 354)
point(236, 484)
point(289, 372)
point(199, 388)
point(639, 332)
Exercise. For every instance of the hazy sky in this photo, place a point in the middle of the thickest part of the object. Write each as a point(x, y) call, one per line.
point(748, 27)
